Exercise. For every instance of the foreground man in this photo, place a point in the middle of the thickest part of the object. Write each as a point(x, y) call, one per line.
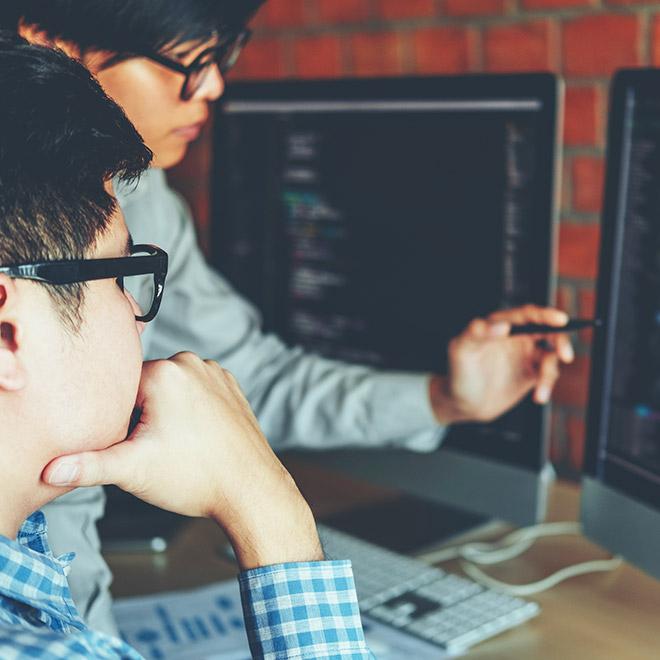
point(164, 62)
point(71, 374)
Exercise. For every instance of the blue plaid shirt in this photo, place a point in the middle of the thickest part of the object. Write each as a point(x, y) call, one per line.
point(305, 610)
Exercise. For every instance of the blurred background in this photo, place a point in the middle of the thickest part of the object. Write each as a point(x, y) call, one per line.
point(583, 40)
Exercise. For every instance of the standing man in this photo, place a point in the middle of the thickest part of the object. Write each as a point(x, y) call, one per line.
point(164, 62)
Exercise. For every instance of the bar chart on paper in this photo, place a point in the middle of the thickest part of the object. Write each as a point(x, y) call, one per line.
point(207, 624)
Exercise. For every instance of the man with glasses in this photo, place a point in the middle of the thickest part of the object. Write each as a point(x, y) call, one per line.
point(71, 375)
point(164, 62)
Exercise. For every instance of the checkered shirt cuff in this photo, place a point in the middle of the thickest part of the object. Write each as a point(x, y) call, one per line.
point(303, 610)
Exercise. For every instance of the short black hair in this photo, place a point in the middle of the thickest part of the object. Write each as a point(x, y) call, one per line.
point(132, 26)
point(62, 139)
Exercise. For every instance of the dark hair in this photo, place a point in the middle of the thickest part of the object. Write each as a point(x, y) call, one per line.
point(62, 138)
point(133, 26)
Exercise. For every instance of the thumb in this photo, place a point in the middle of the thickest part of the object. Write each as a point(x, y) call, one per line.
point(92, 468)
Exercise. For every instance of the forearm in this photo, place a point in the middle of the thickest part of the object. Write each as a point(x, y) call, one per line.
point(303, 400)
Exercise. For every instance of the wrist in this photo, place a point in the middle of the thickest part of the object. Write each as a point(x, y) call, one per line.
point(446, 409)
point(265, 536)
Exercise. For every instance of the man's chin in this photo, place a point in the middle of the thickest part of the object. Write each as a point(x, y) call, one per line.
point(171, 157)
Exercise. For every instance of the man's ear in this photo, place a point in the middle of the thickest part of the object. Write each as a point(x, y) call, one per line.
point(40, 38)
point(12, 373)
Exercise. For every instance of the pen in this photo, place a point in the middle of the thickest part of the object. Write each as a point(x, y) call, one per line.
point(572, 326)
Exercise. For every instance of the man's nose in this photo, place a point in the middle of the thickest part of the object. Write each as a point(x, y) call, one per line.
point(213, 86)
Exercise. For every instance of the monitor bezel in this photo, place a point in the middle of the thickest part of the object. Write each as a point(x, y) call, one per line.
point(625, 80)
point(530, 505)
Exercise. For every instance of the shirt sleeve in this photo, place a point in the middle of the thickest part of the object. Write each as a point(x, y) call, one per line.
point(303, 610)
point(18, 643)
point(302, 400)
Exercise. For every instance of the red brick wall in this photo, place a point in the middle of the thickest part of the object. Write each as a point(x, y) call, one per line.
point(584, 40)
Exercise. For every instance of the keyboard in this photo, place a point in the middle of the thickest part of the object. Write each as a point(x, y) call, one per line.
point(452, 612)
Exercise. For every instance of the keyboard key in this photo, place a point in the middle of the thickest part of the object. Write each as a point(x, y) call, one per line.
point(452, 612)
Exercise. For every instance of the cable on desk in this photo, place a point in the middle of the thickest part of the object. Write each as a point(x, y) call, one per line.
point(510, 546)
point(546, 583)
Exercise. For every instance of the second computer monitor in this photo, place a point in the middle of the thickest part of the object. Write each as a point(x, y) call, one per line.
point(621, 487)
point(371, 220)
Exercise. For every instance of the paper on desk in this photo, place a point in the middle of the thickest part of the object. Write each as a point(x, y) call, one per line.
point(207, 624)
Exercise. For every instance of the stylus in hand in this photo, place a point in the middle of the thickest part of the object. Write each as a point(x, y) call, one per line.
point(572, 326)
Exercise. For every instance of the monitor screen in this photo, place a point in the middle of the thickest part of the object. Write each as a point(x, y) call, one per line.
point(371, 220)
point(624, 417)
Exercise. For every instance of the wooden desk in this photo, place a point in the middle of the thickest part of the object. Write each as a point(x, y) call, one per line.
point(601, 616)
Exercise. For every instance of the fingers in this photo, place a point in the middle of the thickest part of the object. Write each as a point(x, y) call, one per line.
point(547, 377)
point(564, 348)
point(482, 329)
point(531, 314)
point(94, 468)
point(561, 345)
point(542, 316)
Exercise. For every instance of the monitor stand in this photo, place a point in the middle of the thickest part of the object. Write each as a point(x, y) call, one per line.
point(408, 524)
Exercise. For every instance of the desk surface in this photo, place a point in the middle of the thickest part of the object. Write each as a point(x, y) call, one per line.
point(605, 615)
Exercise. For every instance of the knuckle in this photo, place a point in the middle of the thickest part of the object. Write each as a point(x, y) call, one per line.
point(187, 357)
point(165, 369)
point(230, 376)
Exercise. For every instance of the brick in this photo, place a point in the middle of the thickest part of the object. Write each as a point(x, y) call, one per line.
point(377, 54)
point(578, 250)
point(573, 384)
point(444, 50)
point(565, 299)
point(566, 189)
point(258, 21)
point(262, 58)
point(655, 41)
point(520, 47)
point(283, 13)
point(597, 45)
point(583, 120)
point(475, 7)
point(395, 9)
point(576, 433)
point(557, 4)
point(343, 11)
point(588, 179)
point(587, 307)
point(318, 57)
point(587, 302)
point(625, 3)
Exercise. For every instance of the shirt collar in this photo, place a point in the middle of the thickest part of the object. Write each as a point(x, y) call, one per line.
point(30, 574)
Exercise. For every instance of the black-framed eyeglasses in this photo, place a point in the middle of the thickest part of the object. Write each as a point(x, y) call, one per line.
point(142, 275)
point(225, 56)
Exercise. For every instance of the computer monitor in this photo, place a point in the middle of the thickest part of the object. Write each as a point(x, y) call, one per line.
point(621, 486)
point(371, 220)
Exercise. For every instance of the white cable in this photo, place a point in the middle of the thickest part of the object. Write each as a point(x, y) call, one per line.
point(546, 583)
point(508, 547)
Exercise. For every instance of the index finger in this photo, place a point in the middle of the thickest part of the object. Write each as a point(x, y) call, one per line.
point(531, 314)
